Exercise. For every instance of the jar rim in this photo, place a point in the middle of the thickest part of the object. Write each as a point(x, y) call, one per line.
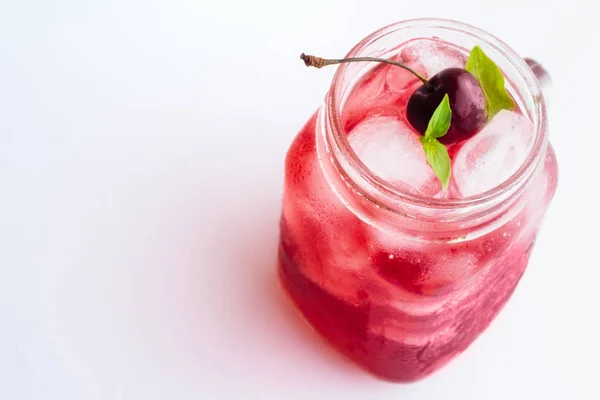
point(515, 181)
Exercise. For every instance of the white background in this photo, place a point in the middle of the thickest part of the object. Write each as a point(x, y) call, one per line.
point(141, 167)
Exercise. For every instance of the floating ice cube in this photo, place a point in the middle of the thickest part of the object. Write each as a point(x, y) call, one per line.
point(494, 154)
point(430, 56)
point(400, 80)
point(369, 92)
point(452, 267)
point(392, 150)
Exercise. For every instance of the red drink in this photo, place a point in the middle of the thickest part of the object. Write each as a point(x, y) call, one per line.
point(396, 273)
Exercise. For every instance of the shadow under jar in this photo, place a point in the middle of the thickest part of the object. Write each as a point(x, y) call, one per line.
point(399, 281)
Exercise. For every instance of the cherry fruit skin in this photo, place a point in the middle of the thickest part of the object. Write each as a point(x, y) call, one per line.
point(467, 102)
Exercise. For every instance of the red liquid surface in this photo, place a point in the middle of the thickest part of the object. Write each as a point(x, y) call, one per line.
point(399, 307)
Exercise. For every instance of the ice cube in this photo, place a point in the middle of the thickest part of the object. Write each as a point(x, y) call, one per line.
point(452, 267)
point(430, 56)
point(429, 271)
point(399, 79)
point(492, 155)
point(371, 96)
point(370, 91)
point(392, 150)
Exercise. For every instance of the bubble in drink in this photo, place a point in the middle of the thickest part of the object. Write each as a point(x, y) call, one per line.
point(493, 155)
point(392, 150)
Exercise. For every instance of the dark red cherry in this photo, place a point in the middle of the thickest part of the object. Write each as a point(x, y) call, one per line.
point(467, 103)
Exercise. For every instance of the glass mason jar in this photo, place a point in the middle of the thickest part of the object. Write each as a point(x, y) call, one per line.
point(401, 283)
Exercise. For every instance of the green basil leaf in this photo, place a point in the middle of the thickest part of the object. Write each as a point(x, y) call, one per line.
point(491, 81)
point(440, 120)
point(438, 159)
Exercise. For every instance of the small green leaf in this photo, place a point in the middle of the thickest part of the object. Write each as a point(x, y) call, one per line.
point(438, 159)
point(491, 80)
point(437, 155)
point(440, 120)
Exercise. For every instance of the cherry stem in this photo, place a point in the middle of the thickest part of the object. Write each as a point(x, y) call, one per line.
point(318, 62)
